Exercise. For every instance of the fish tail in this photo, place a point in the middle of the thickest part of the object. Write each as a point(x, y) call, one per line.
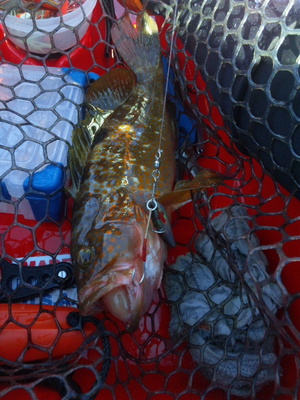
point(139, 47)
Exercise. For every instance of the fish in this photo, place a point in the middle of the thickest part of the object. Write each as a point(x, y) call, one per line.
point(132, 5)
point(117, 251)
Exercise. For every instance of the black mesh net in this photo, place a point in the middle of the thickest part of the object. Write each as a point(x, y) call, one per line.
point(224, 324)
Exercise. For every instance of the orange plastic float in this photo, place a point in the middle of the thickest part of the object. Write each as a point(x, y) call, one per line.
point(32, 333)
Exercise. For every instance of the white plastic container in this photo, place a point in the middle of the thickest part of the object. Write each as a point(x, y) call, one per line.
point(40, 35)
point(38, 112)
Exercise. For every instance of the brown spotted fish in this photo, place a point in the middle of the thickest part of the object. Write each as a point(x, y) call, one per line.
point(118, 261)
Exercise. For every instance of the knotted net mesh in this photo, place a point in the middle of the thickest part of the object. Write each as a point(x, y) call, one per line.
point(224, 324)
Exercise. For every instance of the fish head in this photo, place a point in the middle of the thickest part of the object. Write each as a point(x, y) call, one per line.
point(118, 268)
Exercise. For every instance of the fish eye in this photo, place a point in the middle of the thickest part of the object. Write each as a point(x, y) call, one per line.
point(86, 255)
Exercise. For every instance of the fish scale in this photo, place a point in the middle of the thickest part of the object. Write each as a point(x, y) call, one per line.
point(125, 156)
point(115, 267)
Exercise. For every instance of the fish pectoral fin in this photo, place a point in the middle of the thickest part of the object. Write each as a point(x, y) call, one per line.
point(201, 181)
point(182, 191)
point(111, 90)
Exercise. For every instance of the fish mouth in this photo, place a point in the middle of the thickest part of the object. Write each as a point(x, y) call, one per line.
point(91, 295)
point(124, 302)
point(124, 286)
point(115, 292)
point(125, 306)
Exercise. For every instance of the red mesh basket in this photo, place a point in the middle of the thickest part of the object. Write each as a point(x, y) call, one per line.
point(45, 355)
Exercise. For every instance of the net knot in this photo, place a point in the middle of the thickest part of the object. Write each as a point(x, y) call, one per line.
point(74, 319)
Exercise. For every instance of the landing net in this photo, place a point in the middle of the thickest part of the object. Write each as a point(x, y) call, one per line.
point(225, 322)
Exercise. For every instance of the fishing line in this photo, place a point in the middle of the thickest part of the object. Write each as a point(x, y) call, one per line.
point(152, 204)
point(168, 72)
point(156, 171)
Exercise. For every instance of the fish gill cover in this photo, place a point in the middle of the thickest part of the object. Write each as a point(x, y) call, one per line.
point(224, 323)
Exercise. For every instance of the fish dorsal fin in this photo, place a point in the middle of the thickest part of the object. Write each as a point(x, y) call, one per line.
point(103, 96)
point(111, 90)
point(139, 47)
point(182, 191)
point(82, 139)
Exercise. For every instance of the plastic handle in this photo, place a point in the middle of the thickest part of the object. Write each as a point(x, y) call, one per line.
point(22, 283)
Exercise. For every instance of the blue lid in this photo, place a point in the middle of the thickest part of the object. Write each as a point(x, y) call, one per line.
point(187, 126)
point(49, 180)
point(80, 77)
point(4, 191)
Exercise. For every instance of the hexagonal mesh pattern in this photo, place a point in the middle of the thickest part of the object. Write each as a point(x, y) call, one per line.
point(225, 322)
